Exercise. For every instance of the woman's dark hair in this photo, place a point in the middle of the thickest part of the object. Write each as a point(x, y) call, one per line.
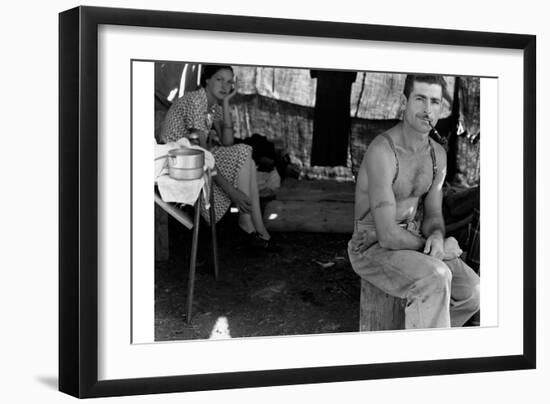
point(209, 70)
point(428, 79)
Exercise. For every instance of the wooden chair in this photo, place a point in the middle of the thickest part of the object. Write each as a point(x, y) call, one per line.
point(193, 224)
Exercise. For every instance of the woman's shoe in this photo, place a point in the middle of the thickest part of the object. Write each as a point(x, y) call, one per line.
point(252, 239)
point(256, 241)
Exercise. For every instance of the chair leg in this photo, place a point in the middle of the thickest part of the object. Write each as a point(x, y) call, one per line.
point(193, 260)
point(214, 238)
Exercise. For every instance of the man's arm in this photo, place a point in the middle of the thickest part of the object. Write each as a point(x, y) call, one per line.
point(433, 226)
point(379, 162)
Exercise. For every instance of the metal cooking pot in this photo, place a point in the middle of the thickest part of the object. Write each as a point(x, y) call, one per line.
point(185, 163)
point(185, 173)
point(185, 158)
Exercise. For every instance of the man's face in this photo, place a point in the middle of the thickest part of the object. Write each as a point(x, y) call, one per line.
point(423, 106)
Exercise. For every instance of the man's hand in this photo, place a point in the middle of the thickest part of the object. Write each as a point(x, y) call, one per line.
point(241, 200)
point(435, 246)
point(452, 249)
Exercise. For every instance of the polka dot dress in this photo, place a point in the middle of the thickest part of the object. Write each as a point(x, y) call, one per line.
point(191, 112)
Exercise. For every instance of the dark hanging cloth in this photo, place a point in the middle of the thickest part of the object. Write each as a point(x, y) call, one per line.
point(331, 119)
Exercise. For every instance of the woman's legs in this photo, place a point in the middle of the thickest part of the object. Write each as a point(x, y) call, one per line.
point(247, 183)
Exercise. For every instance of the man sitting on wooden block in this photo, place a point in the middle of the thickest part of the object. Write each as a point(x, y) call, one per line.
point(389, 249)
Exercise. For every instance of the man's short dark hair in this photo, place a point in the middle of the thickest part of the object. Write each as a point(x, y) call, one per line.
point(425, 78)
point(210, 70)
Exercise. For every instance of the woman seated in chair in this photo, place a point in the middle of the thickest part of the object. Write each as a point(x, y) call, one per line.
point(205, 114)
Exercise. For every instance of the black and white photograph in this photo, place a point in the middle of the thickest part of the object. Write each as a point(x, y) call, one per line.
point(293, 201)
point(253, 202)
point(223, 202)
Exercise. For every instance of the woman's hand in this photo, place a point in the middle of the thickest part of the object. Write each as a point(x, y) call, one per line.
point(231, 93)
point(242, 201)
point(452, 249)
point(213, 138)
point(199, 135)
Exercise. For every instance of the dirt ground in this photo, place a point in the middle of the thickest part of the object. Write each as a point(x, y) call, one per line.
point(305, 285)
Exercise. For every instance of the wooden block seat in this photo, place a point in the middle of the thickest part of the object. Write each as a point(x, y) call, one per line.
point(380, 311)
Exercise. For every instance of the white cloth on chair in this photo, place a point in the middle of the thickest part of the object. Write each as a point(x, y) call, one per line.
point(185, 192)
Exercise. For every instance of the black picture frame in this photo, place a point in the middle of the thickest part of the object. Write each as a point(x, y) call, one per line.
point(78, 200)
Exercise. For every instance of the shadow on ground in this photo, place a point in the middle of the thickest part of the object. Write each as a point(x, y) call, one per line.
point(304, 286)
point(48, 381)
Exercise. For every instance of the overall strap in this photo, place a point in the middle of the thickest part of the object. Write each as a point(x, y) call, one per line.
point(434, 161)
point(392, 145)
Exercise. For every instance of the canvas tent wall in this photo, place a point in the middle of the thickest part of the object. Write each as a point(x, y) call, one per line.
point(279, 103)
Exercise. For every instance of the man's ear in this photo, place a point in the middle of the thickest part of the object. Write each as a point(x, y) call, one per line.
point(403, 102)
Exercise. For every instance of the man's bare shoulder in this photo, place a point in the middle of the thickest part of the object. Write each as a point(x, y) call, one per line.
point(381, 145)
point(377, 163)
point(440, 153)
point(379, 160)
